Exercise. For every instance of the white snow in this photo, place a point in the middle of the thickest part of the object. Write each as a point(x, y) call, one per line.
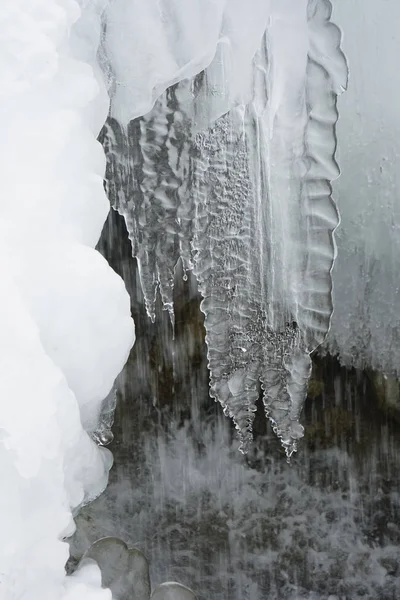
point(154, 44)
point(65, 323)
point(65, 318)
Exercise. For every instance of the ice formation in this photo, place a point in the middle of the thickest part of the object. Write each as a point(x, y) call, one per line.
point(125, 571)
point(365, 326)
point(235, 180)
point(151, 45)
point(221, 151)
point(65, 316)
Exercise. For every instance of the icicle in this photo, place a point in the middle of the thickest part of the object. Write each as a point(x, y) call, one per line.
point(65, 319)
point(296, 142)
point(247, 198)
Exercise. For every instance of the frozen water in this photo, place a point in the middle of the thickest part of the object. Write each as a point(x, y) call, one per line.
point(151, 45)
point(172, 591)
point(246, 527)
point(255, 182)
point(124, 570)
point(220, 156)
point(60, 301)
point(365, 326)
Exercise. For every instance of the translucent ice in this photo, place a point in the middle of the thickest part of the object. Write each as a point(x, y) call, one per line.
point(243, 196)
point(221, 152)
point(172, 591)
point(365, 326)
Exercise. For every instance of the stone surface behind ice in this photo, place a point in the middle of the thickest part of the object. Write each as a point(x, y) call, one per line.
point(124, 570)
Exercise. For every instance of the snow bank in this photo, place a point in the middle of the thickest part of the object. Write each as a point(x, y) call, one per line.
point(65, 319)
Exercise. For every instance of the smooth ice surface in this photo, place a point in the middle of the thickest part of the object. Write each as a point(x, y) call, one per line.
point(65, 316)
point(244, 199)
point(151, 45)
point(125, 571)
point(365, 325)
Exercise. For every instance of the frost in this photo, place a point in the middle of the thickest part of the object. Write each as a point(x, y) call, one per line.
point(240, 191)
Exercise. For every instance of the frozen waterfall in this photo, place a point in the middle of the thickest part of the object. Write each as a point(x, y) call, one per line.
point(60, 300)
point(210, 128)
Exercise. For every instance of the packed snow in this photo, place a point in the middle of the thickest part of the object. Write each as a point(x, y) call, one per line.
point(65, 318)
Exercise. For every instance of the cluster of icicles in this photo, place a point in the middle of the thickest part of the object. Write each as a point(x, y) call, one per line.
point(230, 171)
point(220, 151)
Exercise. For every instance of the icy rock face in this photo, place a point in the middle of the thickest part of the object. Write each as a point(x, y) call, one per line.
point(240, 191)
point(65, 316)
point(365, 326)
point(124, 570)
